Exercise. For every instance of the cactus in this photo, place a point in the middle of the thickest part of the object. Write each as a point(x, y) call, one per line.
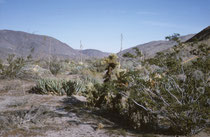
point(112, 63)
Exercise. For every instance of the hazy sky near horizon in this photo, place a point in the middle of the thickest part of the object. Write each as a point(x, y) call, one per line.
point(99, 23)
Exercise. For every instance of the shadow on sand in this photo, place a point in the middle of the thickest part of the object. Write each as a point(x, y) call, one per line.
point(112, 123)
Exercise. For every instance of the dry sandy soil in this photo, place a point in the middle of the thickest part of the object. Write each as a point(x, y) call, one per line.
point(23, 115)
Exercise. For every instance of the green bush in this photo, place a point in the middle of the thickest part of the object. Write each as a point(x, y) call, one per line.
point(96, 65)
point(72, 87)
point(176, 98)
point(128, 55)
point(148, 104)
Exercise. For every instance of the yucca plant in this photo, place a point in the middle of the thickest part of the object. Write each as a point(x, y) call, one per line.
point(47, 86)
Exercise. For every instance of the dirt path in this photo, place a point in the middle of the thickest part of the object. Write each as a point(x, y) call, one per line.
point(24, 114)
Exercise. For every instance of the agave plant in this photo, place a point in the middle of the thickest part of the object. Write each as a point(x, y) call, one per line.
point(58, 87)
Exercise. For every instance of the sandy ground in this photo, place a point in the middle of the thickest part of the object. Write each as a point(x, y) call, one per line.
point(23, 115)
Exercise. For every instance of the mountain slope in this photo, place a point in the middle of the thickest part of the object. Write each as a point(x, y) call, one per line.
point(93, 53)
point(40, 46)
point(151, 48)
point(203, 35)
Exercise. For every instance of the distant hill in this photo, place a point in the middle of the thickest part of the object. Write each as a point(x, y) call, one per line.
point(93, 53)
point(151, 48)
point(193, 47)
point(40, 46)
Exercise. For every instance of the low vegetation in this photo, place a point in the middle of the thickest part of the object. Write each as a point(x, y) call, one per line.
point(168, 93)
point(54, 66)
point(56, 87)
point(11, 68)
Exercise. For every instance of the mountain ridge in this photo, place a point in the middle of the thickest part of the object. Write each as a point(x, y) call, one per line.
point(94, 53)
point(22, 43)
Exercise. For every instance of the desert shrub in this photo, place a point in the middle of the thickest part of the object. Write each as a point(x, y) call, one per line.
point(72, 87)
point(13, 67)
point(66, 67)
point(54, 66)
point(180, 105)
point(96, 65)
point(202, 49)
point(128, 55)
point(148, 104)
point(88, 78)
point(93, 67)
point(33, 72)
point(76, 69)
point(137, 53)
point(56, 87)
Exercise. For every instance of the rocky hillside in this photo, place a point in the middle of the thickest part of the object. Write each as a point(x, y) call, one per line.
point(23, 44)
point(149, 49)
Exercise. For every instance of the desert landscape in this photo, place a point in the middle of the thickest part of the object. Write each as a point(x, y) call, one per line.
point(159, 88)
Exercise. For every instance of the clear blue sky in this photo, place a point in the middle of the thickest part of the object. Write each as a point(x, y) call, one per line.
point(99, 23)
